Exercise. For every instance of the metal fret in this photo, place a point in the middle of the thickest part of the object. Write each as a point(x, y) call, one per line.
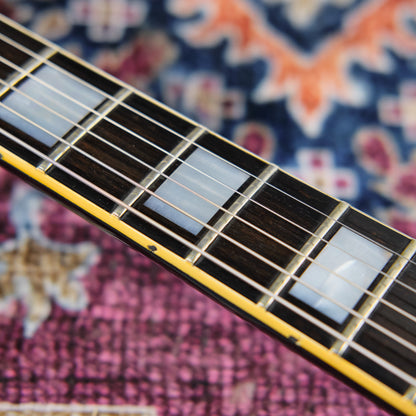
point(284, 278)
point(92, 120)
point(371, 303)
point(164, 164)
point(226, 217)
point(25, 69)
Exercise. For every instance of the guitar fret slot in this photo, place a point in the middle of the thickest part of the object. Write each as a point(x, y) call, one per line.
point(283, 279)
point(370, 304)
point(21, 72)
point(161, 167)
point(229, 214)
point(83, 128)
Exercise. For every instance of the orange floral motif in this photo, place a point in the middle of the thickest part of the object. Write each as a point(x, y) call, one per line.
point(311, 83)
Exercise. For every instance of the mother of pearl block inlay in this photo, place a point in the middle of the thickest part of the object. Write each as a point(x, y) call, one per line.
point(215, 180)
point(41, 105)
point(352, 259)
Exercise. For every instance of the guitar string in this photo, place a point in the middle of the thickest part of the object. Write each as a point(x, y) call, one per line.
point(184, 138)
point(278, 268)
point(361, 288)
point(400, 255)
point(312, 234)
point(326, 328)
point(219, 207)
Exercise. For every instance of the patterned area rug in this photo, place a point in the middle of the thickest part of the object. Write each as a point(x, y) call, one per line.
point(326, 89)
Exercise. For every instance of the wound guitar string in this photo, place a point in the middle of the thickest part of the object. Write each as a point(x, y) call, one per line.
point(193, 247)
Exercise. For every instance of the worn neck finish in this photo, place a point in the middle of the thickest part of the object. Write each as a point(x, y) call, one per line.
point(330, 281)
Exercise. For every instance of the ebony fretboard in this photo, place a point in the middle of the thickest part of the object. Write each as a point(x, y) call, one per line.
point(245, 232)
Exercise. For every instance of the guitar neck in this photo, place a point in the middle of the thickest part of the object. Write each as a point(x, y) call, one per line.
point(331, 282)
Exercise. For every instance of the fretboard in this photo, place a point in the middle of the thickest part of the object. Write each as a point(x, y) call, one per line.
point(331, 282)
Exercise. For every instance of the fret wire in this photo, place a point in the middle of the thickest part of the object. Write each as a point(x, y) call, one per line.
point(295, 251)
point(51, 64)
point(312, 234)
point(225, 211)
point(255, 254)
point(399, 373)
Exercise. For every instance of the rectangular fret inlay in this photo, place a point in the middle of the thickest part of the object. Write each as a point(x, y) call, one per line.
point(47, 112)
point(347, 258)
point(212, 178)
point(209, 168)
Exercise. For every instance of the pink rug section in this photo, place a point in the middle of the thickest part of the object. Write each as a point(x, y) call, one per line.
point(146, 338)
